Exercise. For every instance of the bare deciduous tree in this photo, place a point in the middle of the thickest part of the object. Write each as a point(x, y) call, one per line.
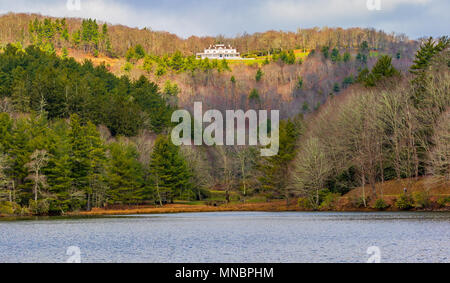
point(228, 164)
point(361, 135)
point(201, 175)
point(247, 159)
point(39, 160)
point(439, 154)
point(313, 168)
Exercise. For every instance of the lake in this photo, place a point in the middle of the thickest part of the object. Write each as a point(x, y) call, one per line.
point(249, 237)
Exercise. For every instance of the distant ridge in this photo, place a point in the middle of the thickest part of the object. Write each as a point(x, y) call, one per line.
point(14, 28)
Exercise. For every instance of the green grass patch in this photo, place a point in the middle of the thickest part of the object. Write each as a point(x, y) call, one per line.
point(299, 54)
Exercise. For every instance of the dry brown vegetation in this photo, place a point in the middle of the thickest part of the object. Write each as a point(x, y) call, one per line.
point(395, 187)
point(181, 208)
point(390, 191)
point(379, 132)
point(113, 64)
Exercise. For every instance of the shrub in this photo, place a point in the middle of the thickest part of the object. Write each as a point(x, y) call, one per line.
point(304, 203)
point(12, 208)
point(421, 199)
point(300, 83)
point(358, 202)
point(269, 196)
point(336, 88)
point(139, 52)
point(259, 75)
point(128, 67)
point(404, 202)
point(6, 208)
point(17, 209)
point(188, 195)
point(330, 201)
point(254, 94)
point(380, 204)
point(23, 211)
point(40, 207)
point(442, 202)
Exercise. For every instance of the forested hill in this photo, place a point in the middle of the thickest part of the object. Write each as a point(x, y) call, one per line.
point(55, 159)
point(17, 28)
point(295, 72)
point(35, 81)
point(77, 134)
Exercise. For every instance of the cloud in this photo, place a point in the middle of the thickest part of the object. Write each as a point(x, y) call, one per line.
point(412, 17)
point(111, 11)
point(393, 4)
point(319, 10)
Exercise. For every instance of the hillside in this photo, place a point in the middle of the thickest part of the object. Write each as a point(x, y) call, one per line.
point(15, 27)
point(298, 86)
point(85, 117)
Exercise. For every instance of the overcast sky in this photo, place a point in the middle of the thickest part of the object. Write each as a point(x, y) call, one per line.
point(415, 18)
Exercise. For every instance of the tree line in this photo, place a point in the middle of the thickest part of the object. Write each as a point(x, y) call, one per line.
point(56, 156)
point(54, 167)
point(176, 63)
point(90, 37)
point(15, 28)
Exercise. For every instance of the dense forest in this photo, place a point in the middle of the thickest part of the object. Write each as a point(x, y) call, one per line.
point(359, 109)
point(37, 81)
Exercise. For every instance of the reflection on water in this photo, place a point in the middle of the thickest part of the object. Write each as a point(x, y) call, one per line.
point(230, 237)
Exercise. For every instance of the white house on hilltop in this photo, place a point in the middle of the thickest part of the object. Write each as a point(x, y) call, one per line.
point(220, 52)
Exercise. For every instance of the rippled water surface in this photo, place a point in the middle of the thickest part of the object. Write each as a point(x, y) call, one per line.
point(231, 237)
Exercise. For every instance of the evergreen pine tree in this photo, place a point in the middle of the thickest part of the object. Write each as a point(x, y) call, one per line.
point(79, 157)
point(59, 174)
point(259, 75)
point(20, 152)
point(6, 125)
point(169, 171)
point(275, 169)
point(97, 162)
point(125, 175)
point(423, 59)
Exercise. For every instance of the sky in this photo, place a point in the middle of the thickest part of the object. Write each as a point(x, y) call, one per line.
point(415, 18)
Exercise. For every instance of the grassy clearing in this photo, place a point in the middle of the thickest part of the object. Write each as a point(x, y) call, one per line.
point(182, 208)
point(299, 54)
point(391, 190)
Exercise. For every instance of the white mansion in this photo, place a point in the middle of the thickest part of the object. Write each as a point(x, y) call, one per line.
point(220, 51)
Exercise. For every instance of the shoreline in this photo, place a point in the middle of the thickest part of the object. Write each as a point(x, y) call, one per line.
point(249, 207)
point(269, 207)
